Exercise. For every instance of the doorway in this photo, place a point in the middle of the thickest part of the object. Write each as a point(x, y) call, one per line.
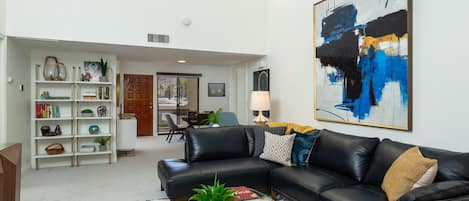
point(178, 96)
point(138, 99)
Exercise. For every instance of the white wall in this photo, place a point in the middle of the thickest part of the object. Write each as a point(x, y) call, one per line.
point(440, 71)
point(18, 102)
point(210, 74)
point(2, 17)
point(218, 25)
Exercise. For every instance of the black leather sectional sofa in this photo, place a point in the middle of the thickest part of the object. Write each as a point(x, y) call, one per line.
point(340, 168)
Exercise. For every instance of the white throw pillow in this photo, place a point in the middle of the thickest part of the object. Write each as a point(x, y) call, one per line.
point(278, 148)
point(427, 178)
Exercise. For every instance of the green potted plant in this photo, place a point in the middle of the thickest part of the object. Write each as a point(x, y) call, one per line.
point(102, 141)
point(104, 66)
point(214, 118)
point(87, 113)
point(217, 192)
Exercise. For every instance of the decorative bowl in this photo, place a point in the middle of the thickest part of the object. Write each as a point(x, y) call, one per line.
point(93, 129)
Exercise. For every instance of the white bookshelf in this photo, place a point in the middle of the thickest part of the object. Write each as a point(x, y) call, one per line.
point(74, 127)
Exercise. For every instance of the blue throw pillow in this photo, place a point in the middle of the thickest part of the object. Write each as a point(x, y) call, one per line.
point(302, 146)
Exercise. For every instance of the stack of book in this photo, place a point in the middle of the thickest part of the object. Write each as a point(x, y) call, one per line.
point(47, 111)
point(103, 93)
point(244, 193)
point(89, 95)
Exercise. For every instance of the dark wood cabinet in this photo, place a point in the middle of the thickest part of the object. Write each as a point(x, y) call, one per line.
point(10, 172)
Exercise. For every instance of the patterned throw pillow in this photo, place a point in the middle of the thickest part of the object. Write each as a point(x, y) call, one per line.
point(277, 148)
point(259, 136)
point(303, 146)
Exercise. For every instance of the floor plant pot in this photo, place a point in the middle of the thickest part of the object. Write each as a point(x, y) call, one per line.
point(102, 147)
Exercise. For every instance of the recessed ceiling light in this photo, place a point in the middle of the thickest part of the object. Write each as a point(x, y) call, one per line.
point(182, 61)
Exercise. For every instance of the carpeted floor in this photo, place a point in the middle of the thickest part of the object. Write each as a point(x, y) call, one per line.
point(131, 179)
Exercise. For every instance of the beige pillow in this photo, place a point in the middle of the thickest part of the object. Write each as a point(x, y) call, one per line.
point(408, 171)
point(278, 148)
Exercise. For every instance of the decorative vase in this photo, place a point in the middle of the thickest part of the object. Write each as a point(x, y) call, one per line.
point(102, 111)
point(58, 130)
point(50, 71)
point(215, 125)
point(62, 72)
point(93, 129)
point(102, 148)
point(45, 130)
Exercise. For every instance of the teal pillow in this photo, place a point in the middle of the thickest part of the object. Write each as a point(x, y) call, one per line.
point(302, 146)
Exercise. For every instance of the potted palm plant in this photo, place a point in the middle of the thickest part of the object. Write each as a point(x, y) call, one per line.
point(103, 64)
point(217, 192)
point(102, 141)
point(214, 118)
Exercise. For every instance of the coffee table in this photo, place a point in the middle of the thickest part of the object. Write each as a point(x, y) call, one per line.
point(262, 196)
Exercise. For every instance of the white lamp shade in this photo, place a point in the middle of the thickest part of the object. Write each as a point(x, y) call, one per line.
point(260, 100)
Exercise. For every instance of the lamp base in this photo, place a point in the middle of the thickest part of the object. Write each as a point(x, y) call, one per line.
point(260, 118)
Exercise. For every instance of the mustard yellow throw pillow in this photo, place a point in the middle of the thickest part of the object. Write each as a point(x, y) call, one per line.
point(298, 128)
point(407, 170)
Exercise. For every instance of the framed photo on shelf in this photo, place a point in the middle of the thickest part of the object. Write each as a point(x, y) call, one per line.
point(91, 71)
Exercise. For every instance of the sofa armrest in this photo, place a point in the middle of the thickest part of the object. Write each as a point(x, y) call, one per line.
point(438, 191)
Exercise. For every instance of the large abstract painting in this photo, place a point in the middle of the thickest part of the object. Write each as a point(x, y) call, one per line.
point(363, 62)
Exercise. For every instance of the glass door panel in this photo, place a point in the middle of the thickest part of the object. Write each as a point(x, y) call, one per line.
point(178, 97)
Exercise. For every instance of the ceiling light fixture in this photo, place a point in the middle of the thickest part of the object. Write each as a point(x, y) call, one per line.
point(182, 61)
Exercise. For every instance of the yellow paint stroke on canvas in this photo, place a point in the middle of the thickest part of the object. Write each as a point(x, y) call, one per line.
point(378, 42)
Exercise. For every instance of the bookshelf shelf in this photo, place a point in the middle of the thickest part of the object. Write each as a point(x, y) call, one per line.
point(94, 101)
point(54, 137)
point(93, 136)
point(93, 118)
point(69, 154)
point(93, 153)
point(54, 119)
point(53, 82)
point(94, 83)
point(52, 100)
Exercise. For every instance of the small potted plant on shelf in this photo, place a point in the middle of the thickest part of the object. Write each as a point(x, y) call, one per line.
point(102, 142)
point(217, 192)
point(103, 64)
point(214, 118)
point(87, 113)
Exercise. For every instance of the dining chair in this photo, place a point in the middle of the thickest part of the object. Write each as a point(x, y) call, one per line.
point(174, 129)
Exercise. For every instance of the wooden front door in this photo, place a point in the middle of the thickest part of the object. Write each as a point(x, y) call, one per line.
point(138, 99)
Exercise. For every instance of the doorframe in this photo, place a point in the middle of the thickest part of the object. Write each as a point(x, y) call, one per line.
point(198, 75)
point(154, 123)
point(3, 88)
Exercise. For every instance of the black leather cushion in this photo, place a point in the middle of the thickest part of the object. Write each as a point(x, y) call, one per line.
point(178, 178)
point(305, 183)
point(216, 144)
point(385, 154)
point(438, 191)
point(345, 154)
point(258, 138)
point(451, 165)
point(354, 193)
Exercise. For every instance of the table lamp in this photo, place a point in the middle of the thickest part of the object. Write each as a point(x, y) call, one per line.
point(260, 101)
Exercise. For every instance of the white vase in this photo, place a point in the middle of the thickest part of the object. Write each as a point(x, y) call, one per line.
point(215, 125)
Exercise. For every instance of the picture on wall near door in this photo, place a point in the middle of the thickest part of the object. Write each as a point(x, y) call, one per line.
point(216, 90)
point(363, 62)
point(261, 82)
